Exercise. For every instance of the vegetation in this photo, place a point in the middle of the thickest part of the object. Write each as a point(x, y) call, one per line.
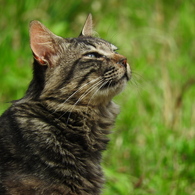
point(152, 148)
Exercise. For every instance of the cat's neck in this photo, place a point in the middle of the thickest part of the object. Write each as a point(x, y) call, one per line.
point(106, 111)
point(37, 84)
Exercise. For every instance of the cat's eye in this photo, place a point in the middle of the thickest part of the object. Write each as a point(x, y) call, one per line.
point(93, 55)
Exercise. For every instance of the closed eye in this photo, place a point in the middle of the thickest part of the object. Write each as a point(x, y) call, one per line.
point(93, 55)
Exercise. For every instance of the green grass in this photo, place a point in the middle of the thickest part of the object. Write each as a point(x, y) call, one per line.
point(152, 148)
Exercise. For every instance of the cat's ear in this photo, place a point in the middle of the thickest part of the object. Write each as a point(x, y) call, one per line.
point(88, 27)
point(43, 43)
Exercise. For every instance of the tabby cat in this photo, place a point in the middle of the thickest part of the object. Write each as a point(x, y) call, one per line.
point(51, 140)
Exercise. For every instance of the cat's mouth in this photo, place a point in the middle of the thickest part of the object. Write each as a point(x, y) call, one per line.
point(114, 83)
point(115, 77)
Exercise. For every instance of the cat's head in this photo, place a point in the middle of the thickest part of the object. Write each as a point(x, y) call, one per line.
point(82, 70)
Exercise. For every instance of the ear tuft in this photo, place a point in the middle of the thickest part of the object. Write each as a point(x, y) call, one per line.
point(88, 27)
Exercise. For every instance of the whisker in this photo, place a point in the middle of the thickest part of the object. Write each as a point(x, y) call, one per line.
point(82, 97)
point(89, 90)
point(79, 89)
point(104, 83)
point(75, 79)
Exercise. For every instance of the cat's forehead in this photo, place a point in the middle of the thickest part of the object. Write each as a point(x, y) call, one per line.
point(95, 43)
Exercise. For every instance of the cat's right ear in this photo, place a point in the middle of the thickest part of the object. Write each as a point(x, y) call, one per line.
point(43, 43)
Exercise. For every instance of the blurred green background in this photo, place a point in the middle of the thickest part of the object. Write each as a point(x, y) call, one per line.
point(152, 148)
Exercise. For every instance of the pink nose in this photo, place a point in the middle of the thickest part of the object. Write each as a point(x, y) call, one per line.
point(120, 59)
point(122, 62)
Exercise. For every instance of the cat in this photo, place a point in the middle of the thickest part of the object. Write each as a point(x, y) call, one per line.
point(51, 140)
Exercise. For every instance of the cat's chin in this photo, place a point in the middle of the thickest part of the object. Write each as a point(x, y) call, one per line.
point(106, 94)
point(118, 88)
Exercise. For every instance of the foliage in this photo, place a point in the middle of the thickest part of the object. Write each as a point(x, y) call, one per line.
point(152, 148)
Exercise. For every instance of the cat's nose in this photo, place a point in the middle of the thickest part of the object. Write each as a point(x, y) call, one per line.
point(120, 59)
point(123, 62)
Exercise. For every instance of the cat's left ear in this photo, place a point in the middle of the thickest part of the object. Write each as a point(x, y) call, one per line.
point(44, 43)
point(88, 27)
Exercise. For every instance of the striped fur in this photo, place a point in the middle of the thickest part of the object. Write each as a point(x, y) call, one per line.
point(51, 140)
